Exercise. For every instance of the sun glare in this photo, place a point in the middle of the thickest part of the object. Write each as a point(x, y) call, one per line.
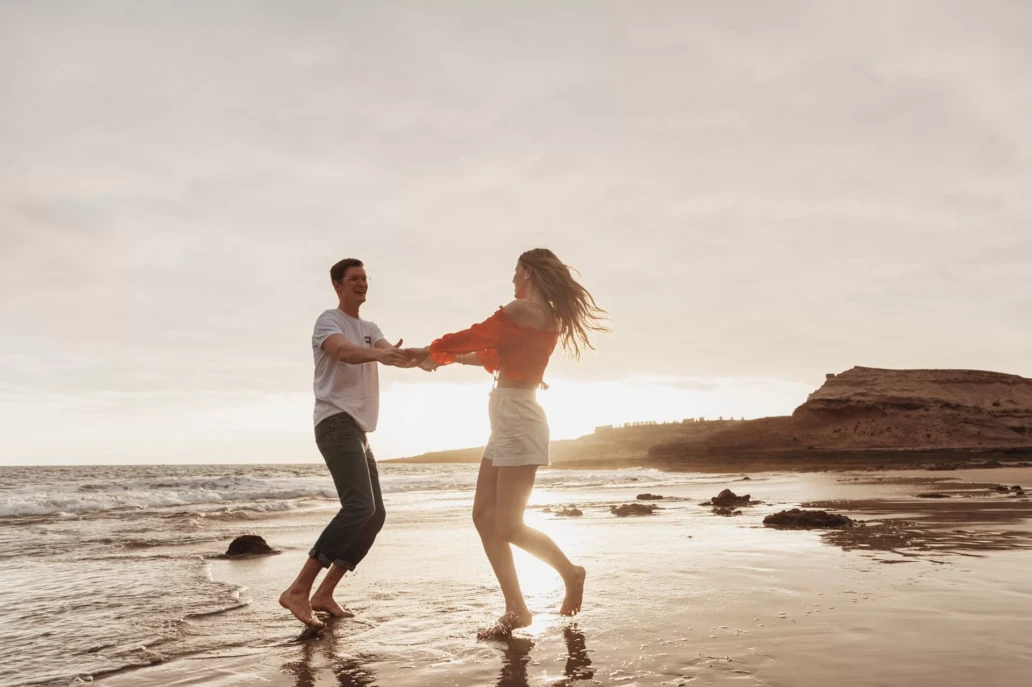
point(420, 418)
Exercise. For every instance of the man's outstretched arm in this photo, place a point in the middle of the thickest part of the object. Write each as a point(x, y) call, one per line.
point(343, 350)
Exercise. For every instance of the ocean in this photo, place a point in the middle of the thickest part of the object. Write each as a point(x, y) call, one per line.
point(104, 568)
point(116, 575)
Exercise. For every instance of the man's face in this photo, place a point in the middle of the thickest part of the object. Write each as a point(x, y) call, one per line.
point(353, 286)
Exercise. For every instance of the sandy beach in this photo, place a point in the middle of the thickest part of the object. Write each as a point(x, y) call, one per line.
point(681, 597)
point(748, 285)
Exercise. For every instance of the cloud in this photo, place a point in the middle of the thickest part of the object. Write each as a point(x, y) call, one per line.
point(779, 191)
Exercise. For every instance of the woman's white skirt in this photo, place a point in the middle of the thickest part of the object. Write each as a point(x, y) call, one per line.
point(519, 429)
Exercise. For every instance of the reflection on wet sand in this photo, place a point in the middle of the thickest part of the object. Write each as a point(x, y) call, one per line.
point(970, 519)
point(516, 657)
point(350, 671)
point(578, 665)
point(322, 651)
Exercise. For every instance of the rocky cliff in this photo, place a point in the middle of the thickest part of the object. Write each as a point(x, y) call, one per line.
point(867, 409)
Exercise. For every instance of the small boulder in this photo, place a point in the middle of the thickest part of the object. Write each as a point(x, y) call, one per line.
point(796, 519)
point(249, 545)
point(1016, 488)
point(725, 511)
point(728, 498)
point(648, 497)
point(568, 512)
point(633, 509)
point(933, 495)
point(546, 509)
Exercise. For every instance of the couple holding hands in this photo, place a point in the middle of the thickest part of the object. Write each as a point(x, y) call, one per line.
point(515, 344)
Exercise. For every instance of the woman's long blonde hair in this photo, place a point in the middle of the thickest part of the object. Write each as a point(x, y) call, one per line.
point(574, 308)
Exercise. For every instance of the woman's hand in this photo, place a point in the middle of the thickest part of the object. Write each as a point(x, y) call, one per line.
point(417, 356)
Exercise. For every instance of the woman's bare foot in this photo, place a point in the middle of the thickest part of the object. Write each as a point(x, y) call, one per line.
point(297, 603)
point(326, 604)
point(509, 621)
point(574, 592)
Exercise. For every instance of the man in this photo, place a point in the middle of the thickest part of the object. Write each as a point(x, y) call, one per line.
point(347, 350)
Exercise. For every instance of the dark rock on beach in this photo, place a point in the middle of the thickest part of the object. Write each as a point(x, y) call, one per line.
point(633, 509)
point(796, 519)
point(728, 498)
point(249, 545)
point(933, 495)
point(648, 497)
point(568, 512)
point(725, 511)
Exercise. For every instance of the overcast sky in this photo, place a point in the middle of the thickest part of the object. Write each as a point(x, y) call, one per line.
point(759, 192)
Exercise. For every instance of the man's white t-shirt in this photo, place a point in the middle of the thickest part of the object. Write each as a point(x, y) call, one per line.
point(341, 387)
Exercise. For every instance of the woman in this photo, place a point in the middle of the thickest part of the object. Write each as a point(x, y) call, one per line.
point(516, 343)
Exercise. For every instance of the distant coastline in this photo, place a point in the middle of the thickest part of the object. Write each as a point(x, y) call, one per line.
point(862, 418)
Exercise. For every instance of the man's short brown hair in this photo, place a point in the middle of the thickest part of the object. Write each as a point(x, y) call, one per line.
point(338, 271)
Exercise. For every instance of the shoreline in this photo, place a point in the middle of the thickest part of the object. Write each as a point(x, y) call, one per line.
point(718, 599)
point(687, 593)
point(794, 460)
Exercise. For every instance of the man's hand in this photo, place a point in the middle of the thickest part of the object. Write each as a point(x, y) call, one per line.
point(417, 356)
point(394, 356)
point(429, 365)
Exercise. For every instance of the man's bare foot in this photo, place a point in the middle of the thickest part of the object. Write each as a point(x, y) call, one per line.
point(297, 603)
point(574, 592)
point(509, 621)
point(326, 604)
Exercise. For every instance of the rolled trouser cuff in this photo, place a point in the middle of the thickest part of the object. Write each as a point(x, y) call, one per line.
point(326, 561)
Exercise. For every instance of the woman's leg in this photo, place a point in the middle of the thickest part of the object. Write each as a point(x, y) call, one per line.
point(512, 493)
point(498, 551)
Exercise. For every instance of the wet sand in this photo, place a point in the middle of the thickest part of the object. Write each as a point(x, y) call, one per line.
point(682, 597)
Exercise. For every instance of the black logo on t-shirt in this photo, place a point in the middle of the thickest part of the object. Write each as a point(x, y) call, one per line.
point(369, 341)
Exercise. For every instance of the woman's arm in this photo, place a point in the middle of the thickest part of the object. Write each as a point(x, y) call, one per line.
point(476, 345)
point(462, 358)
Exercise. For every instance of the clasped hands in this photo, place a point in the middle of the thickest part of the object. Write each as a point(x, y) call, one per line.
point(409, 357)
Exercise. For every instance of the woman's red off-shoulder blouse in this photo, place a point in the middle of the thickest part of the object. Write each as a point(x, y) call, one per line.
point(500, 343)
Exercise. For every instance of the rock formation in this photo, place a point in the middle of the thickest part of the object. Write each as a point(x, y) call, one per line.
point(249, 545)
point(867, 409)
point(796, 519)
point(633, 509)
